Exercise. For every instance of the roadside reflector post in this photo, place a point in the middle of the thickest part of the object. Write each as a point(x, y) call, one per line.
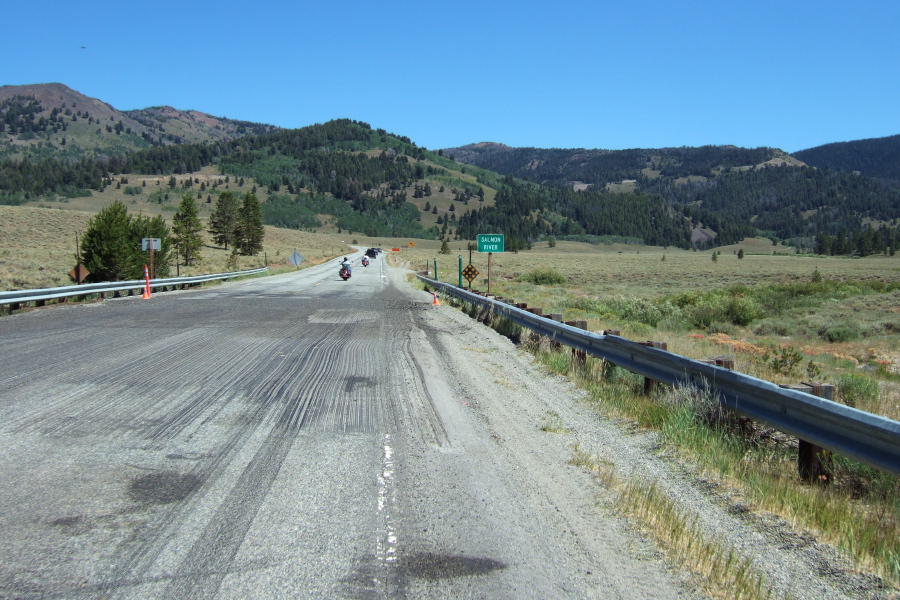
point(813, 462)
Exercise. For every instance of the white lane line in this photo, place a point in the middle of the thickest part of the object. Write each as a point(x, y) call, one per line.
point(386, 544)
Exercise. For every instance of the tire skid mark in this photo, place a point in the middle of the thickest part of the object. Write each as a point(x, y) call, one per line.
point(352, 399)
point(415, 409)
point(107, 406)
point(210, 557)
point(32, 356)
point(87, 376)
point(317, 377)
point(98, 407)
point(208, 560)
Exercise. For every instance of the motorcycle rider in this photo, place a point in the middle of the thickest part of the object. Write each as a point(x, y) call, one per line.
point(346, 264)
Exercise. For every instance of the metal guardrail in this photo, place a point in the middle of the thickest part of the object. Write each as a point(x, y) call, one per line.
point(865, 437)
point(68, 291)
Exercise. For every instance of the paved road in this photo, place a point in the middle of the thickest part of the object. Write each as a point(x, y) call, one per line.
point(289, 436)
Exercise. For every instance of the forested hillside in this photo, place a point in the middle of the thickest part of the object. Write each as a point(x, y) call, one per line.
point(526, 212)
point(876, 157)
point(601, 167)
point(732, 192)
point(343, 169)
point(345, 175)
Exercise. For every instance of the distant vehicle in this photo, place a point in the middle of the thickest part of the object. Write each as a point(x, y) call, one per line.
point(372, 252)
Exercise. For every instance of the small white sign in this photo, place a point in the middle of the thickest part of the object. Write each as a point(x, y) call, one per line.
point(151, 244)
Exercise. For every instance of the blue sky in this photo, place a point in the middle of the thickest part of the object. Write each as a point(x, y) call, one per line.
point(577, 74)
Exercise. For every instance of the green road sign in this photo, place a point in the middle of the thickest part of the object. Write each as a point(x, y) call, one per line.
point(490, 242)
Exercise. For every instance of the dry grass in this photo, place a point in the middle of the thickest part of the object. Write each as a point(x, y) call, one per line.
point(37, 248)
point(639, 274)
point(719, 568)
point(640, 271)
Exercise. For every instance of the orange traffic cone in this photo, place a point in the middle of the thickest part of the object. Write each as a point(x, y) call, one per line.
point(436, 302)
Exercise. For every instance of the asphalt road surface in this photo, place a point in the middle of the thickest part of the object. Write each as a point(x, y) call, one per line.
point(294, 436)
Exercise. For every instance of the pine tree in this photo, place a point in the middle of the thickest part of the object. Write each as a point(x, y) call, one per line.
point(186, 227)
point(223, 221)
point(250, 230)
point(107, 247)
point(111, 246)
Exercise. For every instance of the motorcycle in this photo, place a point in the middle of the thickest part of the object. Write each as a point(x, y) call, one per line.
point(365, 262)
point(344, 273)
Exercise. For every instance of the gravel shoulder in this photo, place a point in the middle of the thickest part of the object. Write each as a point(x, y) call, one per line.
point(511, 396)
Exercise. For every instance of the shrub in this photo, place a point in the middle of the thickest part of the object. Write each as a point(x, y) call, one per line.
point(543, 276)
point(742, 310)
point(840, 333)
point(726, 328)
point(706, 311)
point(854, 388)
point(773, 327)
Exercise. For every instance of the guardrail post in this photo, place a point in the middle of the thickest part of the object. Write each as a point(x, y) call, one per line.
point(559, 319)
point(813, 462)
point(579, 357)
point(727, 363)
point(650, 384)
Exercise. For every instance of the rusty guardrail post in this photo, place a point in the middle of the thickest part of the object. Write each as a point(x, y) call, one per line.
point(579, 357)
point(650, 384)
point(559, 319)
point(813, 462)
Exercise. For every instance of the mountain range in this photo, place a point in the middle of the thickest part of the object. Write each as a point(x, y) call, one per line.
point(838, 197)
point(52, 119)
